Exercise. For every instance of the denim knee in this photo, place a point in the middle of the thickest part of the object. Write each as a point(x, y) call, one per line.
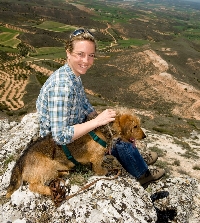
point(130, 158)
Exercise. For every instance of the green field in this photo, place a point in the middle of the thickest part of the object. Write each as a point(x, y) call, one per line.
point(55, 26)
point(8, 49)
point(8, 37)
point(47, 53)
point(184, 23)
point(132, 42)
point(192, 34)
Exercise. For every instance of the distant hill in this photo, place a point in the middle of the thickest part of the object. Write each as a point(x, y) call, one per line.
point(148, 56)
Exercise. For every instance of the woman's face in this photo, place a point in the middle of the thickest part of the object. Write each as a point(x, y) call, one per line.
point(82, 56)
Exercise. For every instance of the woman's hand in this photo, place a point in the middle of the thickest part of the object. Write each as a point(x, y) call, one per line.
point(105, 117)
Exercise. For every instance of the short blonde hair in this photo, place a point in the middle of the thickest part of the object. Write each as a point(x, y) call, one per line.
point(79, 34)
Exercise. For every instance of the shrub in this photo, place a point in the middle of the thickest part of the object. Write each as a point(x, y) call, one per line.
point(176, 162)
point(160, 152)
point(163, 131)
point(3, 107)
point(196, 167)
point(22, 113)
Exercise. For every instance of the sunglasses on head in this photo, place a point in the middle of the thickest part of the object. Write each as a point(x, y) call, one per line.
point(79, 32)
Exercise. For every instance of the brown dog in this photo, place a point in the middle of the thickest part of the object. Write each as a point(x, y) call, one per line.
point(44, 160)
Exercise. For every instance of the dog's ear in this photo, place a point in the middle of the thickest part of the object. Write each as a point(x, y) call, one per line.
point(127, 127)
point(122, 122)
point(127, 124)
point(116, 125)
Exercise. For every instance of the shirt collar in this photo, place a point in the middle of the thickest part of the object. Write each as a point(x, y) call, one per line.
point(72, 75)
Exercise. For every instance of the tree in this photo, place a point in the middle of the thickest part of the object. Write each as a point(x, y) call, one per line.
point(23, 49)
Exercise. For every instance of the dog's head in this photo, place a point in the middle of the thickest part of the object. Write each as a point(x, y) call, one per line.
point(127, 127)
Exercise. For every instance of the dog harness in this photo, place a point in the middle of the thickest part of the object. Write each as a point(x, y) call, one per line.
point(95, 138)
point(69, 155)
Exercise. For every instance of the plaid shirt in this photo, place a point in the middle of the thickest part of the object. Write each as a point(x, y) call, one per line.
point(61, 104)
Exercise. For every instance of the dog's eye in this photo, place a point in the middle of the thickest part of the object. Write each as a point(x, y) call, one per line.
point(135, 126)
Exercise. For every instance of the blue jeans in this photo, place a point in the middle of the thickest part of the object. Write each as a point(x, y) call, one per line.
point(130, 158)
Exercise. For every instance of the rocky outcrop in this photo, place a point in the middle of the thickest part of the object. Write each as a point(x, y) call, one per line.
point(174, 199)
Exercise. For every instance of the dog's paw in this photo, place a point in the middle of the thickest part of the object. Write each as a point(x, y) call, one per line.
point(8, 195)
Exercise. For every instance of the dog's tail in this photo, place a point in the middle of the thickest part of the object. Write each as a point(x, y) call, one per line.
point(15, 180)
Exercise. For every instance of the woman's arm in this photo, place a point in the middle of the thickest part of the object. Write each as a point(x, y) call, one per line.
point(62, 112)
point(103, 118)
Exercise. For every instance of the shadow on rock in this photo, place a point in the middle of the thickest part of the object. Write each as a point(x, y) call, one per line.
point(165, 215)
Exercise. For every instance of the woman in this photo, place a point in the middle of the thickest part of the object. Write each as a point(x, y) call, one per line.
point(62, 105)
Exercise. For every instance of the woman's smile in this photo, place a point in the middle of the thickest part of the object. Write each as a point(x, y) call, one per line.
point(82, 57)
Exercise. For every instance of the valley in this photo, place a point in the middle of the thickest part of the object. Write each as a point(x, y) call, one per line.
point(148, 56)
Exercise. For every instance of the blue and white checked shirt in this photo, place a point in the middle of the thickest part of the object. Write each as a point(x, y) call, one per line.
point(61, 104)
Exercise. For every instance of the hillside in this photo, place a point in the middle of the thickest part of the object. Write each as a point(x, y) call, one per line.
point(148, 56)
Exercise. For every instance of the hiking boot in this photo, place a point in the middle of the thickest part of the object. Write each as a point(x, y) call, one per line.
point(150, 176)
point(150, 157)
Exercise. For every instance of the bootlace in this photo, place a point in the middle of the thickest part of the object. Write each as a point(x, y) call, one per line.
point(154, 171)
point(147, 157)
